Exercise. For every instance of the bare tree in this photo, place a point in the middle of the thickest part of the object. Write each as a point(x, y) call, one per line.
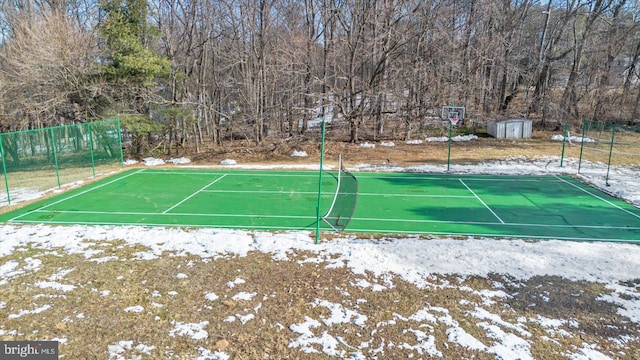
point(46, 69)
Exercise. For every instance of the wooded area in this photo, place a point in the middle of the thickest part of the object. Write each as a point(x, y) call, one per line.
point(205, 71)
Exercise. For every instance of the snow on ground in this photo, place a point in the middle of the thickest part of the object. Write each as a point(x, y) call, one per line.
point(413, 259)
point(572, 139)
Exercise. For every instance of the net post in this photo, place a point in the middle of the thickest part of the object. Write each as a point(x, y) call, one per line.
point(55, 155)
point(335, 196)
point(4, 171)
point(317, 239)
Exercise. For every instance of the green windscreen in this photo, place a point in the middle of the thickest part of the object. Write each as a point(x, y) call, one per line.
point(35, 161)
point(344, 201)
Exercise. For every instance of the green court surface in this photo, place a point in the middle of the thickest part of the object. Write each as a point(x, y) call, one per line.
point(531, 207)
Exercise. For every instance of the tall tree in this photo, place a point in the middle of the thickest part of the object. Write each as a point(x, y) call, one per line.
point(128, 37)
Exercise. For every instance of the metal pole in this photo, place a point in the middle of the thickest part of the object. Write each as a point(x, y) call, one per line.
point(449, 154)
point(93, 162)
point(613, 135)
point(564, 141)
point(320, 182)
point(4, 170)
point(120, 143)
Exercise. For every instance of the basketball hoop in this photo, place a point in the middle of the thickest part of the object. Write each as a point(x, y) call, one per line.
point(454, 114)
point(454, 118)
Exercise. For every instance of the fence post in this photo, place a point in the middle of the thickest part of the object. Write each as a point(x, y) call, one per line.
point(4, 171)
point(93, 163)
point(613, 136)
point(584, 127)
point(564, 141)
point(55, 154)
point(119, 130)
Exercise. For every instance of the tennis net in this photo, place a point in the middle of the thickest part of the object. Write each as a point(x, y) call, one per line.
point(344, 200)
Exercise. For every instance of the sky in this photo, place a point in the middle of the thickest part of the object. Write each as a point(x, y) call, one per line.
point(410, 258)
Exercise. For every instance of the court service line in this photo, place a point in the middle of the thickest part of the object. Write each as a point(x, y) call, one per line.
point(600, 198)
point(268, 192)
point(76, 195)
point(483, 203)
point(259, 173)
point(451, 178)
point(331, 193)
point(194, 194)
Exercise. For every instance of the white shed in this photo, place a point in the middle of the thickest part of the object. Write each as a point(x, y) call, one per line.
point(510, 129)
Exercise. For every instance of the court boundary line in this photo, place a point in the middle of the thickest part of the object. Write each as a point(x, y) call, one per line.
point(134, 213)
point(437, 233)
point(481, 201)
point(455, 222)
point(194, 194)
point(601, 198)
point(180, 226)
point(76, 195)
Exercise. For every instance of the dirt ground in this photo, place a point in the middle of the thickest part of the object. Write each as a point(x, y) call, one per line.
point(384, 152)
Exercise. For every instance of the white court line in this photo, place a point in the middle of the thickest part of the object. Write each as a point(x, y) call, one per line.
point(260, 174)
point(133, 213)
point(267, 192)
point(599, 198)
point(78, 194)
point(176, 214)
point(327, 193)
point(266, 227)
point(496, 223)
point(420, 178)
point(194, 194)
point(483, 203)
point(418, 195)
point(391, 231)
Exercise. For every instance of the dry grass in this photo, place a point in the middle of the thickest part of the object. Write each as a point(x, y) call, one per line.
point(171, 290)
point(401, 154)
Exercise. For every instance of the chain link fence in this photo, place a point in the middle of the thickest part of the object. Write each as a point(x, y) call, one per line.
point(37, 161)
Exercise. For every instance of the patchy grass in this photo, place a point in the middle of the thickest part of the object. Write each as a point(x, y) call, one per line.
point(107, 302)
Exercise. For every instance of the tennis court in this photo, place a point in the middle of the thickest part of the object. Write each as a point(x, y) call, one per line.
point(534, 207)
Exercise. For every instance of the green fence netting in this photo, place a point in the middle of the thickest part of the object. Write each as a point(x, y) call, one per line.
point(606, 145)
point(36, 161)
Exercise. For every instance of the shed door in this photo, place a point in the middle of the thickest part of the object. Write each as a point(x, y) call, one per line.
point(514, 130)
